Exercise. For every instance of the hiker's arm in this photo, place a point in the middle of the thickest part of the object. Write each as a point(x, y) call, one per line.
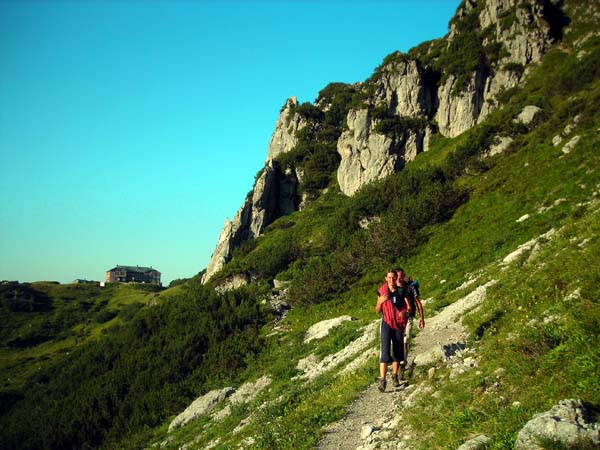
point(380, 300)
point(408, 308)
point(421, 314)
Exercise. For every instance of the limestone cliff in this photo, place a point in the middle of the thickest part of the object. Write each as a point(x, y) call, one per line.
point(284, 137)
point(523, 27)
point(273, 195)
point(522, 30)
point(512, 34)
point(402, 87)
point(445, 86)
point(456, 113)
point(368, 155)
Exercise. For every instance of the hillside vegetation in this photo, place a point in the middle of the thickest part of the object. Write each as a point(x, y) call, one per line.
point(84, 367)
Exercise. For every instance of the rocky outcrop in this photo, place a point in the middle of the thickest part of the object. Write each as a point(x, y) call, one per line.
point(367, 155)
point(321, 329)
point(273, 195)
point(570, 422)
point(232, 282)
point(525, 34)
point(499, 145)
point(477, 443)
point(406, 88)
point(528, 115)
point(498, 80)
point(201, 406)
point(312, 367)
point(521, 26)
point(231, 236)
point(284, 137)
point(403, 89)
point(456, 113)
point(244, 394)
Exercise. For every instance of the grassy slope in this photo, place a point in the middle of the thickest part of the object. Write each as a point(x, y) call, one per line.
point(77, 314)
point(547, 344)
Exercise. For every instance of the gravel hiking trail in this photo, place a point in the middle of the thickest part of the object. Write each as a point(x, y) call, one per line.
point(375, 413)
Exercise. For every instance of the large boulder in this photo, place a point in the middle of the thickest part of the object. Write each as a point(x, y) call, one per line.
point(201, 406)
point(569, 422)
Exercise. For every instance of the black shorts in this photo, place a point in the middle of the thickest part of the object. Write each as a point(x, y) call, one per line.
point(393, 337)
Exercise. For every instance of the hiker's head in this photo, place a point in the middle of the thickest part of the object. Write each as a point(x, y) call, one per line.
point(399, 274)
point(391, 276)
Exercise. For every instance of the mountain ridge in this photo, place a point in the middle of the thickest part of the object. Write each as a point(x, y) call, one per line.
point(395, 113)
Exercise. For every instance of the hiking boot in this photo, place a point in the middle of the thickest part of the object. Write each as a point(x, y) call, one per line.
point(395, 381)
point(402, 369)
point(381, 385)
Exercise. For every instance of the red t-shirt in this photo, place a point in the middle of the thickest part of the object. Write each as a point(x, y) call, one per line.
point(393, 315)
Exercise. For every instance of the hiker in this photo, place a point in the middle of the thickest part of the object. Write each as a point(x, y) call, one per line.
point(411, 290)
point(395, 308)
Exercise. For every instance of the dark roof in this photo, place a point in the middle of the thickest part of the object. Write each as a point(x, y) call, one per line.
point(135, 269)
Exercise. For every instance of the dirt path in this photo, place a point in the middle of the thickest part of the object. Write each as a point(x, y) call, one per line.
point(375, 415)
point(371, 412)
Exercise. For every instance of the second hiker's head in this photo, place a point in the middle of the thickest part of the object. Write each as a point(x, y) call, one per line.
point(400, 275)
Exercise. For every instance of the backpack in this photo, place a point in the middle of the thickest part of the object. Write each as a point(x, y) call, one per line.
point(413, 292)
point(415, 284)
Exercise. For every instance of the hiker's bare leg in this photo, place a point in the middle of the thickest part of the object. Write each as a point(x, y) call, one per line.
point(382, 370)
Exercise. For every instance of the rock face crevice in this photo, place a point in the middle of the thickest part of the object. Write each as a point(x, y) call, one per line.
point(273, 196)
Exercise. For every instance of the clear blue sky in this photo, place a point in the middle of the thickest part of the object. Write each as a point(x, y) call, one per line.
point(129, 130)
